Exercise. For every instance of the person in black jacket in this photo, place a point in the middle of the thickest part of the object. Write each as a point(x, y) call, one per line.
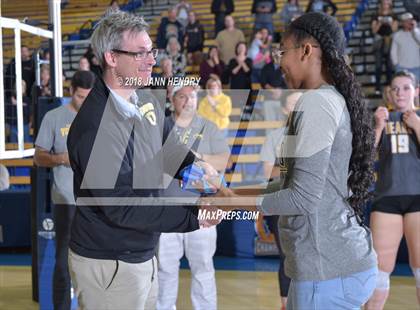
point(326, 6)
point(221, 8)
point(169, 27)
point(264, 10)
point(118, 152)
point(194, 39)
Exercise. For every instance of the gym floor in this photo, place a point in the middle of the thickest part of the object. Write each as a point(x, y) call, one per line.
point(241, 284)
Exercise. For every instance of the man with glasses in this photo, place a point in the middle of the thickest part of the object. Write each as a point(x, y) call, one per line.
point(118, 157)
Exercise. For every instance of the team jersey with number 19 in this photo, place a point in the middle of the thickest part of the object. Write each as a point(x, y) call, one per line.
point(399, 159)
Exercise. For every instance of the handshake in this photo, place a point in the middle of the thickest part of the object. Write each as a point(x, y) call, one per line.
point(202, 178)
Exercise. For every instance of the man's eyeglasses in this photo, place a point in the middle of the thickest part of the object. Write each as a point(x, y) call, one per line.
point(280, 52)
point(139, 55)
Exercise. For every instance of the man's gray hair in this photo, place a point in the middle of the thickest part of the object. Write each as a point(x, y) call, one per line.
point(109, 31)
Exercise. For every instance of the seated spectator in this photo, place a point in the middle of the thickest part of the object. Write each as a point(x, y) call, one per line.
point(45, 87)
point(173, 51)
point(212, 66)
point(405, 48)
point(272, 82)
point(28, 71)
point(169, 27)
point(194, 39)
point(166, 73)
point(183, 8)
point(259, 52)
point(84, 64)
point(326, 6)
point(112, 8)
point(11, 115)
point(291, 10)
point(4, 178)
point(239, 69)
point(383, 25)
point(216, 106)
point(221, 9)
point(46, 55)
point(93, 62)
point(264, 10)
point(227, 39)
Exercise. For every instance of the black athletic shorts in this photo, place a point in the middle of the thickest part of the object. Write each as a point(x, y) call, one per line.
point(397, 204)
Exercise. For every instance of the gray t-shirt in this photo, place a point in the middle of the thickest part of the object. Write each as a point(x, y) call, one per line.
point(52, 136)
point(399, 159)
point(270, 150)
point(320, 237)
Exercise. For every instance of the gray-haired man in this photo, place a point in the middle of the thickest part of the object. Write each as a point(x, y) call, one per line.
point(116, 153)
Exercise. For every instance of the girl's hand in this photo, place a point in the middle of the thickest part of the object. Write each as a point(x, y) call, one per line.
point(381, 116)
point(412, 120)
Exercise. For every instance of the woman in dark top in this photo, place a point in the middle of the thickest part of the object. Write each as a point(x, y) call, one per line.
point(194, 39)
point(239, 69)
point(322, 6)
point(396, 208)
point(212, 66)
point(383, 25)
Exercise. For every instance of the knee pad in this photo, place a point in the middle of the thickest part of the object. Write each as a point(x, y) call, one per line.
point(416, 272)
point(382, 280)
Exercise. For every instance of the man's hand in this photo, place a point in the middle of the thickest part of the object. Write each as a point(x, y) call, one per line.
point(211, 212)
point(63, 159)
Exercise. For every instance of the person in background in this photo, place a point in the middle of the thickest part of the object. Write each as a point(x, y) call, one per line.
point(238, 71)
point(216, 106)
point(220, 9)
point(45, 87)
point(272, 82)
point(93, 61)
point(259, 52)
point(173, 51)
point(4, 178)
point(212, 66)
point(383, 25)
point(11, 115)
point(396, 206)
point(264, 10)
point(204, 138)
point(46, 55)
point(405, 47)
point(194, 39)
point(51, 152)
point(169, 27)
point(183, 8)
point(325, 6)
point(28, 72)
point(227, 39)
point(166, 73)
point(84, 64)
point(291, 10)
point(112, 8)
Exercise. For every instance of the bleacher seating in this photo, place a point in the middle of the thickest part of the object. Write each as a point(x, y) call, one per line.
point(80, 14)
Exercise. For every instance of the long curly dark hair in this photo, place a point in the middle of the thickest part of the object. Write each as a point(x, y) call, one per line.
point(330, 37)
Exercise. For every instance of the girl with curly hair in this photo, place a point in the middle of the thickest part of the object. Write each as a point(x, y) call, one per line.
point(328, 152)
